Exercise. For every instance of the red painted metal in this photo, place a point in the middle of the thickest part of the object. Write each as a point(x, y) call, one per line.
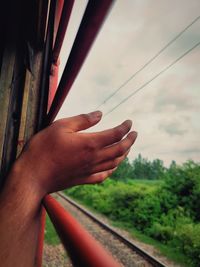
point(42, 26)
point(93, 18)
point(83, 249)
point(63, 12)
point(53, 82)
point(66, 12)
point(59, 8)
point(39, 252)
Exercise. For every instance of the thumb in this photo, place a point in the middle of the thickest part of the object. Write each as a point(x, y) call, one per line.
point(83, 121)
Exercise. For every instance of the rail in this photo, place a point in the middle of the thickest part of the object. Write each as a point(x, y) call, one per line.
point(83, 249)
point(150, 259)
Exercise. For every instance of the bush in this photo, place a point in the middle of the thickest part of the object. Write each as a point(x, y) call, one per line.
point(123, 199)
point(168, 211)
point(184, 182)
point(160, 232)
point(188, 236)
point(147, 212)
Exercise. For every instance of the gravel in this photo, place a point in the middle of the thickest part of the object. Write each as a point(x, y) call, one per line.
point(119, 251)
point(56, 256)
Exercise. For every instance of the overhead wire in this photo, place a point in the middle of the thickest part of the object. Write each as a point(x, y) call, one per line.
point(149, 61)
point(153, 78)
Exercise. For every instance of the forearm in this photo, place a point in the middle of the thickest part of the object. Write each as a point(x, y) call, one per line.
point(20, 208)
point(56, 158)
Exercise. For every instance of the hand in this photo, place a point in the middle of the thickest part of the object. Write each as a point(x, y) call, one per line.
point(61, 156)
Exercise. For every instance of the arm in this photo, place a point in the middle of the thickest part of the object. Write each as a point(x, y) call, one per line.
point(56, 158)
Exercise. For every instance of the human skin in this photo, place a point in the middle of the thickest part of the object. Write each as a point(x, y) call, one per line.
point(59, 157)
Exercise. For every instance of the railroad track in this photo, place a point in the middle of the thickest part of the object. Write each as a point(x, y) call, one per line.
point(141, 257)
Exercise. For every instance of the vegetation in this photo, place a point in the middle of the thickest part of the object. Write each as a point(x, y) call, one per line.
point(162, 203)
point(51, 236)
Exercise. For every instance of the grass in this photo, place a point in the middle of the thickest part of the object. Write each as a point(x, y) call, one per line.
point(51, 237)
point(146, 182)
point(164, 249)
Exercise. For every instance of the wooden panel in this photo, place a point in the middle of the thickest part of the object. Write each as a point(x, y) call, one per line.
point(6, 78)
point(33, 97)
point(21, 137)
point(20, 79)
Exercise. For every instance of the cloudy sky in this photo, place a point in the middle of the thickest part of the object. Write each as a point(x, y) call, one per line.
point(166, 112)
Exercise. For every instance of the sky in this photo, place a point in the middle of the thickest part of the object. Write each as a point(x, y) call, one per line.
point(166, 112)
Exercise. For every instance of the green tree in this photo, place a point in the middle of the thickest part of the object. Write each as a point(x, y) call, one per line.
point(123, 172)
point(145, 169)
point(184, 182)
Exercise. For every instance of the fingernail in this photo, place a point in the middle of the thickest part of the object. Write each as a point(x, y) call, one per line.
point(128, 122)
point(133, 133)
point(95, 115)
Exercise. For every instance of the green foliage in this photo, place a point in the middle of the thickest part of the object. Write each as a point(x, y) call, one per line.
point(160, 232)
point(188, 236)
point(124, 171)
point(165, 208)
point(145, 169)
point(147, 211)
point(184, 182)
point(51, 237)
point(140, 168)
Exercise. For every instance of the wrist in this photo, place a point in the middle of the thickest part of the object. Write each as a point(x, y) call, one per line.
point(21, 181)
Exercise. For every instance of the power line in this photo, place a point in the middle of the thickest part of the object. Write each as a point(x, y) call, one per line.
point(156, 76)
point(149, 61)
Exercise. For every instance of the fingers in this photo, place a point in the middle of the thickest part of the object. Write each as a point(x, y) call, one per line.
point(107, 165)
point(111, 156)
point(113, 135)
point(82, 122)
point(95, 178)
point(118, 149)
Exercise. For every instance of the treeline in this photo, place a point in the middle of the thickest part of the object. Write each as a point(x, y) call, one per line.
point(166, 207)
point(142, 168)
